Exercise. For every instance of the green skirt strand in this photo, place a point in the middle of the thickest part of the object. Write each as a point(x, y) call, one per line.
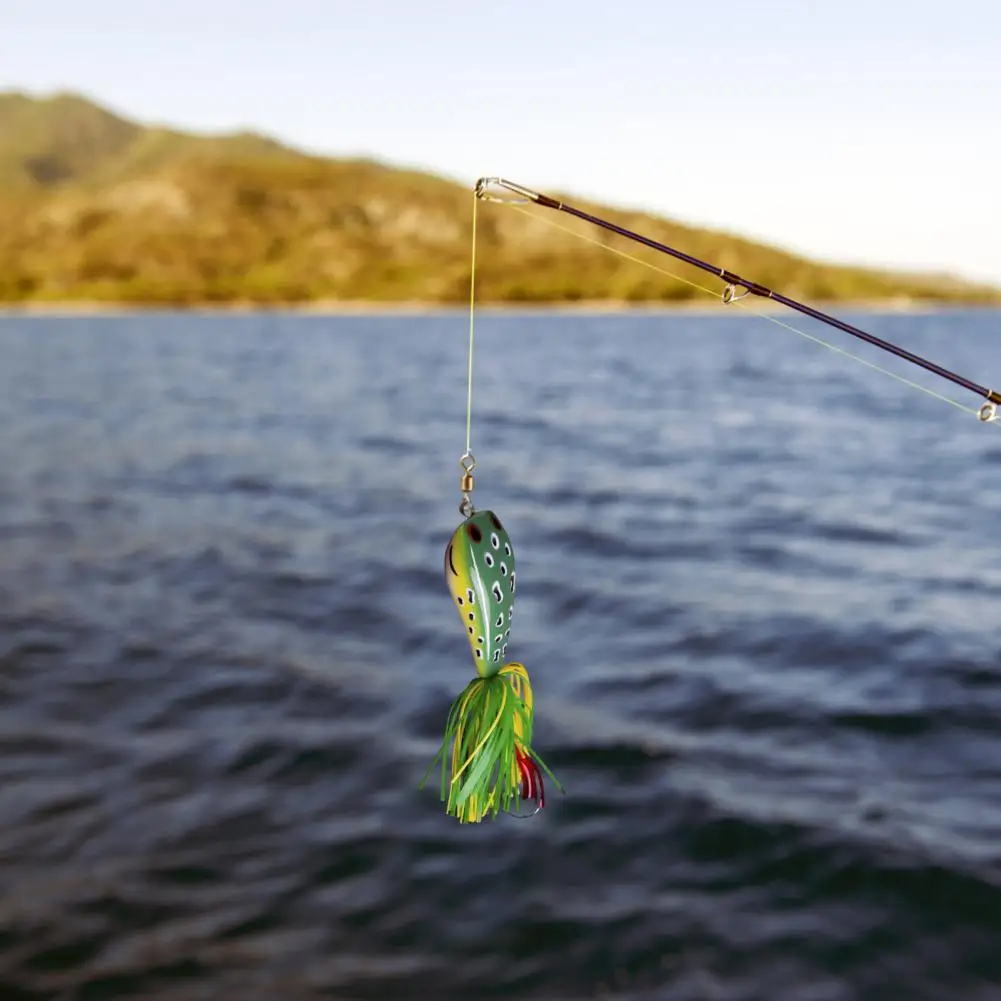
point(487, 745)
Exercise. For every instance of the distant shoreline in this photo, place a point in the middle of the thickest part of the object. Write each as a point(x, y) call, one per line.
point(335, 308)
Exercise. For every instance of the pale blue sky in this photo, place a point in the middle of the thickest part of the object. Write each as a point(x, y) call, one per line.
point(855, 131)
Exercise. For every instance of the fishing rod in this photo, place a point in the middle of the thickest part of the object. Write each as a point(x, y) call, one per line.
point(732, 293)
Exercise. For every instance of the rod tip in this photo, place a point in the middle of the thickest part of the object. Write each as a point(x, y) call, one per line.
point(498, 189)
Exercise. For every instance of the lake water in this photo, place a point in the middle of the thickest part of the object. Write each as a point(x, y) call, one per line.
point(759, 597)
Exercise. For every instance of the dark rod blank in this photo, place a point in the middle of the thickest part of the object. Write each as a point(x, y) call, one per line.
point(735, 280)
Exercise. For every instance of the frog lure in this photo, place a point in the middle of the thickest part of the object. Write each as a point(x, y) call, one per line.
point(489, 727)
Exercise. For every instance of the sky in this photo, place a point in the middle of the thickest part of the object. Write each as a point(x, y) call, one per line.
point(859, 132)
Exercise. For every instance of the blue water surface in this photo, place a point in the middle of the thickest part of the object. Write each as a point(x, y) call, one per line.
point(759, 597)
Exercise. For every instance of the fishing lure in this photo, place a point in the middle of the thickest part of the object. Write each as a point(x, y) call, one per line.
point(489, 727)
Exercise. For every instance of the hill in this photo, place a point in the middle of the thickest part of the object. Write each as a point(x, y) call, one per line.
point(96, 207)
point(45, 142)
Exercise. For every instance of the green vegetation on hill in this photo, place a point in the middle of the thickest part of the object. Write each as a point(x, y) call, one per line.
point(65, 139)
point(95, 207)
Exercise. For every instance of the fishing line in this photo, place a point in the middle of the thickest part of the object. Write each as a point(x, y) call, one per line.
point(737, 302)
point(472, 310)
point(468, 461)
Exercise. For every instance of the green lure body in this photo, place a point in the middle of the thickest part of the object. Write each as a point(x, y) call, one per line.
point(480, 572)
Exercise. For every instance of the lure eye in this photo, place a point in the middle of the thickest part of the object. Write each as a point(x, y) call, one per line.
point(474, 532)
point(496, 521)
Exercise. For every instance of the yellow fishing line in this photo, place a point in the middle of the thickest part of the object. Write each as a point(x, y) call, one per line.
point(472, 311)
